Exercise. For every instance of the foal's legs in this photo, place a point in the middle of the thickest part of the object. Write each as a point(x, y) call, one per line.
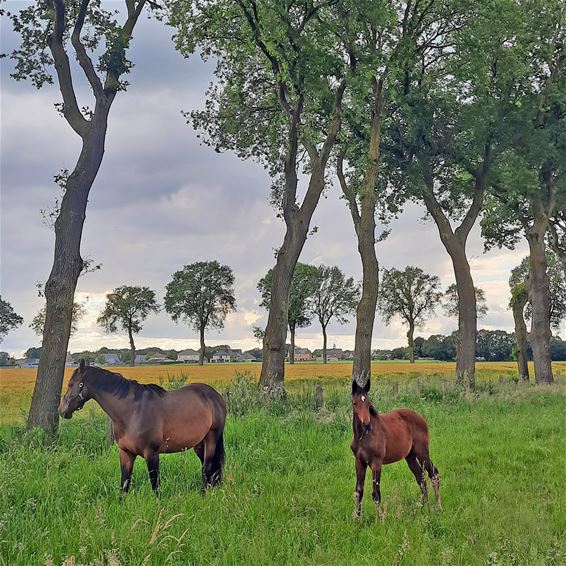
point(152, 460)
point(376, 480)
point(127, 465)
point(418, 468)
point(434, 478)
point(359, 493)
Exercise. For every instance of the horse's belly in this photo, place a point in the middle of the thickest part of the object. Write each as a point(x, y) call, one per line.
point(184, 433)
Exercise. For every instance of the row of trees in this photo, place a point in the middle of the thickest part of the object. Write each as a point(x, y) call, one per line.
point(457, 105)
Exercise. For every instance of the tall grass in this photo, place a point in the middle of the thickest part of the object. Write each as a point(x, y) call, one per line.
point(289, 479)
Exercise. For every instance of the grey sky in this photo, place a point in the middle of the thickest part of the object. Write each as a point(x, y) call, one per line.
point(162, 200)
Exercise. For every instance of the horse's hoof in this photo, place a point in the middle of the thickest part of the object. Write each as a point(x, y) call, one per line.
point(356, 515)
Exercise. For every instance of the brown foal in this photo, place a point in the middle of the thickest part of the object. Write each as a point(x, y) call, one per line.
point(149, 421)
point(386, 438)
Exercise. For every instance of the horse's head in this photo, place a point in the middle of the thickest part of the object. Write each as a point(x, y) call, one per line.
point(360, 402)
point(77, 393)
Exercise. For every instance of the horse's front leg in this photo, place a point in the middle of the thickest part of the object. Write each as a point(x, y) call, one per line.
point(127, 465)
point(376, 482)
point(152, 460)
point(359, 493)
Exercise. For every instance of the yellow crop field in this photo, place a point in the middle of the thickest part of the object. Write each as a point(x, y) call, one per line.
point(20, 381)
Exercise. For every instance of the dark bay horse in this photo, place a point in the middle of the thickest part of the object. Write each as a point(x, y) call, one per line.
point(149, 421)
point(386, 438)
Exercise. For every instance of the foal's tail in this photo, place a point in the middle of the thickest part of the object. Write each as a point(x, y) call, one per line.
point(217, 462)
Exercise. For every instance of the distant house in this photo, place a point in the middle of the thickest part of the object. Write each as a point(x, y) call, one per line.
point(112, 359)
point(140, 359)
point(348, 355)
point(28, 362)
point(332, 355)
point(303, 355)
point(158, 359)
point(221, 357)
point(188, 356)
point(244, 357)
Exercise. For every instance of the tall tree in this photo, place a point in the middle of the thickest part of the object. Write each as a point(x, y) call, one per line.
point(202, 294)
point(379, 39)
point(335, 297)
point(9, 319)
point(519, 284)
point(49, 29)
point(128, 307)
point(451, 301)
point(410, 294)
point(448, 130)
point(278, 99)
point(530, 179)
point(301, 293)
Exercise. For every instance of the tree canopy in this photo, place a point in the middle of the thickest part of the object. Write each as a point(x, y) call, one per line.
point(9, 319)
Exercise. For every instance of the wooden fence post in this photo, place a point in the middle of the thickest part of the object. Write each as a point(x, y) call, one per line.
point(318, 397)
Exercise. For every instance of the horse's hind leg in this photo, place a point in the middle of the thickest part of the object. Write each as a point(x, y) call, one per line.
point(213, 458)
point(417, 466)
point(434, 478)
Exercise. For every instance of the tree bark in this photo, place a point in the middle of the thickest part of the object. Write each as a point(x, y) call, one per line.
point(518, 306)
point(363, 218)
point(62, 282)
point(297, 221)
point(411, 339)
point(540, 302)
point(324, 345)
point(67, 261)
point(454, 242)
point(202, 346)
point(132, 347)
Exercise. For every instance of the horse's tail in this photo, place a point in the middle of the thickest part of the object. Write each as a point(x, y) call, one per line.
point(217, 463)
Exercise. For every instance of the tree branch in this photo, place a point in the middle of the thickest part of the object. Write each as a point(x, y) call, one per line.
point(55, 42)
point(82, 56)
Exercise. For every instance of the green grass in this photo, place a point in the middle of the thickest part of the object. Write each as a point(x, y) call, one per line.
point(287, 498)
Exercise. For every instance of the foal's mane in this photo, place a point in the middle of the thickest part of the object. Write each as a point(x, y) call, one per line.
point(120, 386)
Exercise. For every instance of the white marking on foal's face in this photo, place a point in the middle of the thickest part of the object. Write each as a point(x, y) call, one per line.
point(363, 397)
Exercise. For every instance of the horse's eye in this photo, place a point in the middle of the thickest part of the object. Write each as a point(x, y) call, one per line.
point(81, 385)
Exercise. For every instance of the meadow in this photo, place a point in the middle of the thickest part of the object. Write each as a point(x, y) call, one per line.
point(287, 496)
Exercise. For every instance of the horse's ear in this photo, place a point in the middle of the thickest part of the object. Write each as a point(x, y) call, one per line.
point(355, 387)
point(367, 385)
point(82, 365)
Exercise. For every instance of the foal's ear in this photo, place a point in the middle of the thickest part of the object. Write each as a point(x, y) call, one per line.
point(355, 387)
point(367, 385)
point(82, 365)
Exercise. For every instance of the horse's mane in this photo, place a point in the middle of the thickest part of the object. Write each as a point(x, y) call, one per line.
point(120, 386)
point(373, 411)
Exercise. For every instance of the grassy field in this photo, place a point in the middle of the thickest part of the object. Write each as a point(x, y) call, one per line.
point(287, 498)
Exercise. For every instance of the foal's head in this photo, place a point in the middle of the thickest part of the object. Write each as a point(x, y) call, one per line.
point(360, 402)
point(77, 393)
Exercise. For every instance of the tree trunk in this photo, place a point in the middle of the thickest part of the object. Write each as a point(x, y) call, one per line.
point(132, 348)
point(202, 347)
point(363, 218)
point(411, 339)
point(292, 346)
point(518, 305)
point(540, 302)
point(273, 366)
point(62, 282)
point(324, 345)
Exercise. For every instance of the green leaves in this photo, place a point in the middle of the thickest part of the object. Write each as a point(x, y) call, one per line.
point(127, 306)
point(202, 294)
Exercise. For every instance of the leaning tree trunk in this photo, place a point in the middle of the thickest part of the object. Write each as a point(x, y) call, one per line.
point(132, 348)
point(518, 302)
point(202, 346)
point(62, 282)
point(540, 301)
point(411, 339)
point(324, 345)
